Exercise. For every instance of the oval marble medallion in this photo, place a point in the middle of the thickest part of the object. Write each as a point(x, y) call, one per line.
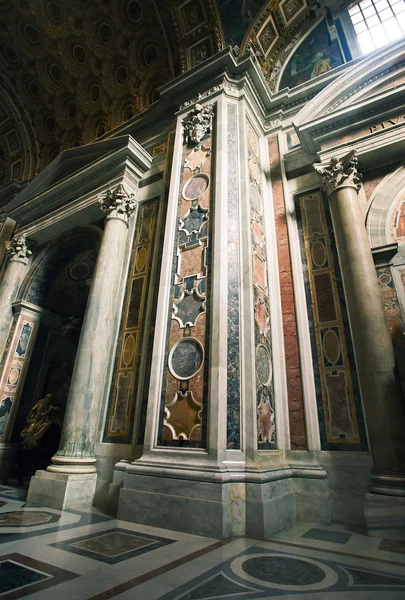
point(256, 199)
point(141, 260)
point(331, 346)
point(186, 358)
point(318, 252)
point(129, 349)
point(196, 186)
point(263, 365)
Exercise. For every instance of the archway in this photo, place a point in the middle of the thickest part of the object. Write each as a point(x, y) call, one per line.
point(58, 286)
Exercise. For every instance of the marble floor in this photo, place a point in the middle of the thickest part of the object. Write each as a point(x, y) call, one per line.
point(85, 555)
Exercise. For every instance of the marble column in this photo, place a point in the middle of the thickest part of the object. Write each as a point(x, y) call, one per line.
point(70, 482)
point(14, 274)
point(383, 402)
point(76, 451)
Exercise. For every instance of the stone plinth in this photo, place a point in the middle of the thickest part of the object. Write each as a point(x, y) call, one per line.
point(59, 490)
point(199, 507)
point(385, 516)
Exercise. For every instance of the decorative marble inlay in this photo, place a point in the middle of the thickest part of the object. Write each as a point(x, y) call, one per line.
point(120, 419)
point(113, 546)
point(186, 358)
point(266, 429)
point(26, 518)
point(233, 360)
point(341, 420)
point(195, 187)
point(262, 571)
point(15, 363)
point(184, 391)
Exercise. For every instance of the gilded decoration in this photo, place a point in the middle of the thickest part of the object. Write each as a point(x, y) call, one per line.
point(339, 396)
point(266, 428)
point(185, 383)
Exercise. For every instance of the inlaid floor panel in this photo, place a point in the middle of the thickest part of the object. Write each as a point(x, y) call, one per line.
point(86, 555)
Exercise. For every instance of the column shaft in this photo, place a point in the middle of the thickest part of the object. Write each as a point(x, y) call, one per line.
point(383, 402)
point(76, 450)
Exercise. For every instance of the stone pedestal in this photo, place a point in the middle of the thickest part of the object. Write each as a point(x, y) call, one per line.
point(179, 503)
point(385, 516)
point(59, 490)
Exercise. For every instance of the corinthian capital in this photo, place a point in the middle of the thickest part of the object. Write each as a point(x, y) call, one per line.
point(117, 204)
point(340, 172)
point(17, 248)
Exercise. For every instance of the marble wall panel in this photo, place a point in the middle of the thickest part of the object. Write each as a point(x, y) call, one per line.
point(233, 441)
point(121, 408)
point(339, 405)
point(292, 357)
point(266, 424)
point(185, 381)
point(15, 363)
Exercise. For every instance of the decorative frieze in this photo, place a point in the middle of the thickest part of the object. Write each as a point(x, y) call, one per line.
point(117, 204)
point(340, 172)
point(17, 248)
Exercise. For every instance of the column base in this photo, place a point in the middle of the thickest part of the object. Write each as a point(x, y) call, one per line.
point(60, 490)
point(72, 465)
point(221, 504)
point(385, 516)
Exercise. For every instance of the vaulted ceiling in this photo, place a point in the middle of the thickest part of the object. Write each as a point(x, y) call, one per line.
point(70, 70)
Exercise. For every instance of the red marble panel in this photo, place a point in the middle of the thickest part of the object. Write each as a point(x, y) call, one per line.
point(293, 367)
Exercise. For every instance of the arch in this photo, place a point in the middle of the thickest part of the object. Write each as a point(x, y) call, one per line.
point(19, 153)
point(382, 205)
point(55, 259)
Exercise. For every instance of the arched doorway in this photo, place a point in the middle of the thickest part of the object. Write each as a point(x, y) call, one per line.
point(57, 286)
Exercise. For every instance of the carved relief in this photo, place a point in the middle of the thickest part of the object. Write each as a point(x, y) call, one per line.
point(197, 124)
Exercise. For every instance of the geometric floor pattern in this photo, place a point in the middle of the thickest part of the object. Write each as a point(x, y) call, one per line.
point(85, 555)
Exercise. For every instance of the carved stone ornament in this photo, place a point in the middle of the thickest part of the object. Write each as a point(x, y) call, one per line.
point(198, 123)
point(118, 204)
point(17, 248)
point(340, 172)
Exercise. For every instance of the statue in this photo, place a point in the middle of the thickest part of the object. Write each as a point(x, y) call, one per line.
point(38, 422)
